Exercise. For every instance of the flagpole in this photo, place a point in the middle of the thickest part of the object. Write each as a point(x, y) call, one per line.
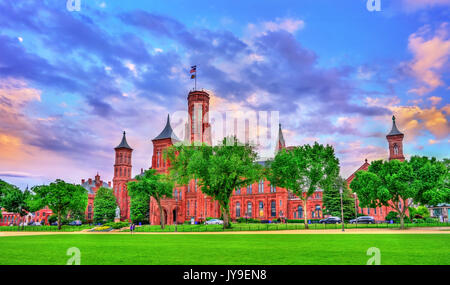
point(195, 78)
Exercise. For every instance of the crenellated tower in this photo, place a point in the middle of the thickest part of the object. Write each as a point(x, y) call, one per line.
point(122, 174)
point(395, 140)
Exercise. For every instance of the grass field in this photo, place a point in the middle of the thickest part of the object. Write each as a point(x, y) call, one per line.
point(238, 249)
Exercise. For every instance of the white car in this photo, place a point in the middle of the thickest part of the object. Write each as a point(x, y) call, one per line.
point(214, 222)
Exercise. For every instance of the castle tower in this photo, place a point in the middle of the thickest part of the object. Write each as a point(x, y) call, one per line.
point(165, 139)
point(198, 108)
point(122, 174)
point(395, 140)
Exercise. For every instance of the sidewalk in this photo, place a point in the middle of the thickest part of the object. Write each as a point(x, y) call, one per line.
point(436, 230)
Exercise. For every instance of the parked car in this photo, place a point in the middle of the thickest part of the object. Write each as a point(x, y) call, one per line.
point(363, 220)
point(331, 220)
point(214, 222)
point(54, 223)
point(75, 223)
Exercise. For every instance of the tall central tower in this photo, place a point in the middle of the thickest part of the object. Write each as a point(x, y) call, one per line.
point(198, 129)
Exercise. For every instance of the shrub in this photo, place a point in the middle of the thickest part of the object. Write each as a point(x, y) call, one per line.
point(117, 225)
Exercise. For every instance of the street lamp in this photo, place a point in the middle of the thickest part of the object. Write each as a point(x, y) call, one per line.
point(342, 208)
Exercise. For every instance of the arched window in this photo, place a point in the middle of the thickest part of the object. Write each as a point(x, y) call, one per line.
point(120, 171)
point(238, 210)
point(318, 211)
point(273, 209)
point(396, 149)
point(261, 186)
point(249, 189)
point(249, 209)
point(187, 209)
point(261, 209)
point(238, 191)
point(300, 212)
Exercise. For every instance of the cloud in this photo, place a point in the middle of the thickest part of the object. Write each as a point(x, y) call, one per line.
point(431, 56)
point(435, 100)
point(414, 5)
point(287, 24)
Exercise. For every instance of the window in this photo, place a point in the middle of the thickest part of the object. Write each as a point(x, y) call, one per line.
point(157, 158)
point(318, 210)
point(300, 212)
point(188, 188)
point(187, 209)
point(175, 193)
point(179, 193)
point(273, 209)
point(238, 209)
point(261, 186)
point(396, 149)
point(375, 211)
point(249, 189)
point(368, 211)
point(261, 209)
point(195, 209)
point(249, 209)
point(195, 187)
point(280, 203)
point(238, 191)
point(273, 189)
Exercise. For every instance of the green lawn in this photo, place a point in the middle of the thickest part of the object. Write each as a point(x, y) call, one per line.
point(227, 249)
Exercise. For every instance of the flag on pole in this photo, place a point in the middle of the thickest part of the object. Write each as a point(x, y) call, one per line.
point(192, 76)
point(193, 69)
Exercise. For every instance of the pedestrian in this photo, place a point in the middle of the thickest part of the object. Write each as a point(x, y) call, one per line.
point(131, 228)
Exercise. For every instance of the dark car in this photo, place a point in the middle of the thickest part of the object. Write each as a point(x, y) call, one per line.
point(363, 220)
point(331, 220)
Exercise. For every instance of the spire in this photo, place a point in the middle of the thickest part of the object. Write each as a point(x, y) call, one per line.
point(123, 143)
point(167, 132)
point(394, 130)
point(281, 141)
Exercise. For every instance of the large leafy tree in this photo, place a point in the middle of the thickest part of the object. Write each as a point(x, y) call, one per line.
point(303, 170)
point(151, 184)
point(104, 205)
point(61, 197)
point(398, 184)
point(12, 199)
point(219, 169)
point(332, 199)
point(140, 208)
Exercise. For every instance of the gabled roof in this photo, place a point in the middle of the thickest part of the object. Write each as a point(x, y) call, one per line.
point(123, 143)
point(394, 130)
point(167, 132)
point(365, 166)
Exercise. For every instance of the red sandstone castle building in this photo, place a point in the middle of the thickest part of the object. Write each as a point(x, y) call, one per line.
point(260, 200)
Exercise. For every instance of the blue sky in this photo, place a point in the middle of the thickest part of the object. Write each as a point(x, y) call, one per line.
point(70, 82)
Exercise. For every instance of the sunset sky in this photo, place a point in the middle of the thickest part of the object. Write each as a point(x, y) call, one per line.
point(71, 82)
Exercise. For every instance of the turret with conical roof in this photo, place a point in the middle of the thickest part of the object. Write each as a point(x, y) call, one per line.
point(123, 143)
point(395, 140)
point(281, 142)
point(167, 132)
point(122, 174)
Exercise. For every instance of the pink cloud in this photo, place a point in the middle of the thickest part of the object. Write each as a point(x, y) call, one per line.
point(431, 55)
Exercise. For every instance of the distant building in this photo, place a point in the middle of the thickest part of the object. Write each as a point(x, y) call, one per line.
point(440, 211)
point(92, 185)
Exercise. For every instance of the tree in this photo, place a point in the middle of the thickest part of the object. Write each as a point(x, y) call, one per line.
point(303, 170)
point(14, 200)
point(140, 209)
point(151, 184)
point(219, 169)
point(332, 199)
point(398, 184)
point(419, 213)
point(104, 205)
point(60, 197)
